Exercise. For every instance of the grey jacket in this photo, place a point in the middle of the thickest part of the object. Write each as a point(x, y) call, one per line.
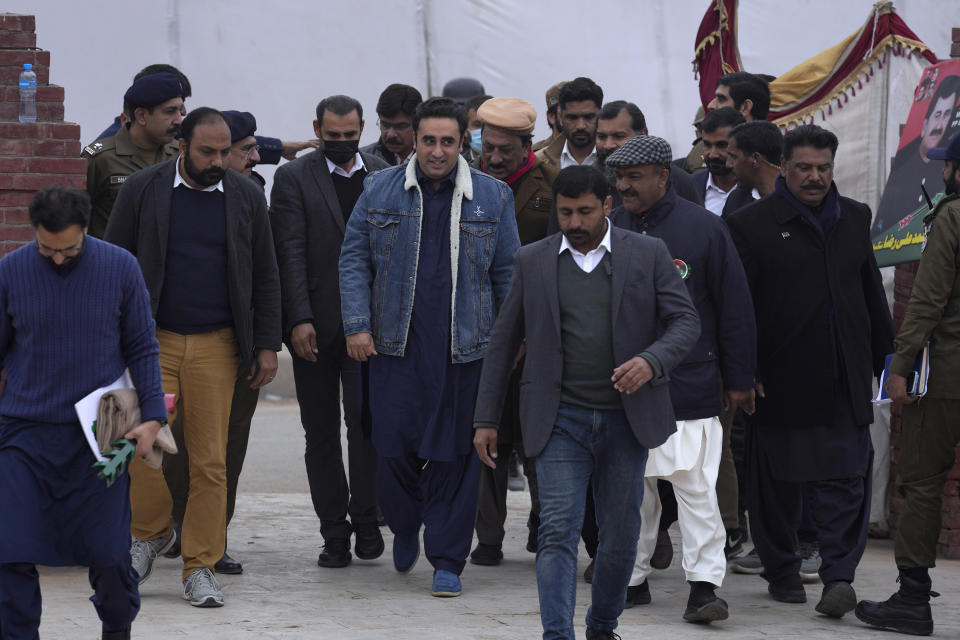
point(140, 224)
point(651, 311)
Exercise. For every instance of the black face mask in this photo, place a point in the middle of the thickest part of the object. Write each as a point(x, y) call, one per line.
point(340, 151)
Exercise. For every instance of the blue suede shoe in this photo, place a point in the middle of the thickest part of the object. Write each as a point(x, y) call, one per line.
point(446, 584)
point(406, 551)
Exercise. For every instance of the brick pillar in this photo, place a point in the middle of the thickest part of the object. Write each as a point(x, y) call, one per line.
point(949, 546)
point(35, 155)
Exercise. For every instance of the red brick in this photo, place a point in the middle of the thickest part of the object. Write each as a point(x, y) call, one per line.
point(72, 148)
point(951, 488)
point(60, 131)
point(16, 215)
point(6, 181)
point(19, 130)
point(50, 111)
point(9, 110)
point(17, 233)
point(50, 93)
point(50, 148)
point(18, 40)
point(14, 165)
point(17, 22)
point(17, 57)
point(57, 165)
point(36, 181)
point(15, 198)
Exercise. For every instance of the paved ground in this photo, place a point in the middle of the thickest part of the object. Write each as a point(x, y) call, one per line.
point(284, 595)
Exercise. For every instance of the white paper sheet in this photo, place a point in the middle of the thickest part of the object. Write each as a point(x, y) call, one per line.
point(87, 410)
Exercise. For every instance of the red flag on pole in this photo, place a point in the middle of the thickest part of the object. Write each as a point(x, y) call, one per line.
point(715, 50)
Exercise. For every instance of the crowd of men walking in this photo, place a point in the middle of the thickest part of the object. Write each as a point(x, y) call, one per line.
point(652, 344)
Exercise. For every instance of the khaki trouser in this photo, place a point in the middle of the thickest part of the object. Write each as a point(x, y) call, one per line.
point(930, 429)
point(200, 370)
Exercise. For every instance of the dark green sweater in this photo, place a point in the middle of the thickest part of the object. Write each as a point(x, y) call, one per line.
point(586, 334)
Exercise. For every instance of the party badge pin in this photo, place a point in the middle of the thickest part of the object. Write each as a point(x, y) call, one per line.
point(683, 268)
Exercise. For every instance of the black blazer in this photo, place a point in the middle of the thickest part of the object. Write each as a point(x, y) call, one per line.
point(795, 275)
point(700, 182)
point(652, 312)
point(140, 223)
point(308, 230)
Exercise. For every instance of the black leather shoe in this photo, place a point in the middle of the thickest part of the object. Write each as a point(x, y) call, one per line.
point(588, 573)
point(663, 552)
point(228, 565)
point(906, 611)
point(486, 555)
point(838, 598)
point(703, 605)
point(788, 589)
point(369, 542)
point(639, 594)
point(335, 554)
point(597, 634)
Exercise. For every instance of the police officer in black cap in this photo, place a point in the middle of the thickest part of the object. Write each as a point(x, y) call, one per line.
point(152, 106)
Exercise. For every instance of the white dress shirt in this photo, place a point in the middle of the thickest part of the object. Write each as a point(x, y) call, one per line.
point(714, 198)
point(334, 168)
point(588, 261)
point(567, 159)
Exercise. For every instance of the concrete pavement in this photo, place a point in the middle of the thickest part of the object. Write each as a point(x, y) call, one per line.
point(284, 595)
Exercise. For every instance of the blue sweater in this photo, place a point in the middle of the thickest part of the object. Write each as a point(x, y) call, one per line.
point(64, 335)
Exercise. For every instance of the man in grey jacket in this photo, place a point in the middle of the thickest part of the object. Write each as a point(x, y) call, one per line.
point(604, 316)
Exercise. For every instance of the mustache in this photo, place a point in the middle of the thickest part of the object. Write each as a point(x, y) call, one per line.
point(813, 186)
point(629, 193)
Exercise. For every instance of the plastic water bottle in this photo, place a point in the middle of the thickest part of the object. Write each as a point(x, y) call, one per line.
point(28, 94)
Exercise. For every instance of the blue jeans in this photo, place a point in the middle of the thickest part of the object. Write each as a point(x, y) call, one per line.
point(584, 443)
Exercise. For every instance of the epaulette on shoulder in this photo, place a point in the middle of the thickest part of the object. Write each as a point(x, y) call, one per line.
point(93, 148)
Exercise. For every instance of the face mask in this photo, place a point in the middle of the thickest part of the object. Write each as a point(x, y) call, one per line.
point(340, 151)
point(475, 140)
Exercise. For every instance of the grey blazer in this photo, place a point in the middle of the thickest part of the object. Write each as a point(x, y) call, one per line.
point(140, 223)
point(308, 229)
point(652, 312)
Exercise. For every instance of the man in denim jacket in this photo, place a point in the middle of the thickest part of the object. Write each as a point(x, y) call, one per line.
point(425, 264)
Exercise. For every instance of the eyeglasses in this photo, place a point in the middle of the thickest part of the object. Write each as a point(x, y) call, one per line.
point(399, 127)
point(69, 252)
point(248, 151)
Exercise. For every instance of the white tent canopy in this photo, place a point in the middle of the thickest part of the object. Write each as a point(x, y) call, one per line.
point(278, 59)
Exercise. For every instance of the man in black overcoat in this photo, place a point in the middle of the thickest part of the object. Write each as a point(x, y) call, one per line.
point(823, 330)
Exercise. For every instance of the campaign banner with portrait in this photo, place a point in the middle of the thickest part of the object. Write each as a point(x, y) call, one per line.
point(934, 117)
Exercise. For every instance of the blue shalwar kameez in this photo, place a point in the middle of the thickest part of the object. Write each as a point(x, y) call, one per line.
point(63, 334)
point(422, 408)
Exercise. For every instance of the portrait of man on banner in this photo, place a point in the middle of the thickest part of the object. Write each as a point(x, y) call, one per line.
point(934, 117)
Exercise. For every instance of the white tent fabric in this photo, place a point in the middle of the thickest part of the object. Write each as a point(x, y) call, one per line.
point(277, 59)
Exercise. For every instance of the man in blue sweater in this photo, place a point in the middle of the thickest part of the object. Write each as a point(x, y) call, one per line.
point(724, 356)
point(74, 314)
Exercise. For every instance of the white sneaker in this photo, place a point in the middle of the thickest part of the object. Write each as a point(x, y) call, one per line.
point(201, 589)
point(144, 552)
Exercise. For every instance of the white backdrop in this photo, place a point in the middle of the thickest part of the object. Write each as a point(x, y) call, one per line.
point(278, 59)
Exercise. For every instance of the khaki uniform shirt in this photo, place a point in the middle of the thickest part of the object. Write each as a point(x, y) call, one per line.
point(533, 201)
point(109, 163)
point(934, 310)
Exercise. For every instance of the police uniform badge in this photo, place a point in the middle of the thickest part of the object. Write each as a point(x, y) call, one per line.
point(683, 268)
